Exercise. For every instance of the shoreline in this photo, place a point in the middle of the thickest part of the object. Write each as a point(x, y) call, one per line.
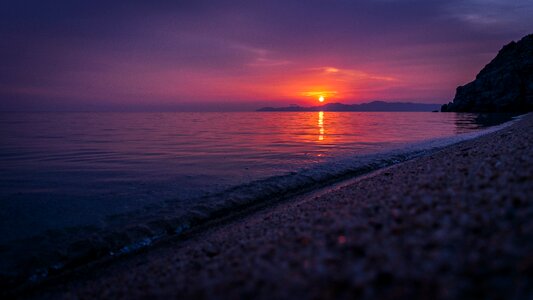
point(204, 252)
point(76, 247)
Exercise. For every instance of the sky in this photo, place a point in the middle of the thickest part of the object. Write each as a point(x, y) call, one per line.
point(243, 54)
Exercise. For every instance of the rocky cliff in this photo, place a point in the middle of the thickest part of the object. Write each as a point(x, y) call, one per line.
point(504, 85)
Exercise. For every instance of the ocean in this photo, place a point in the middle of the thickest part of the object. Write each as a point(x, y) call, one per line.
point(77, 186)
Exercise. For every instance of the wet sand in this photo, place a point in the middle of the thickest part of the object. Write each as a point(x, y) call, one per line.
point(455, 224)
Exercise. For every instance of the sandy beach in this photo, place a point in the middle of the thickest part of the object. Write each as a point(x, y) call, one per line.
point(455, 224)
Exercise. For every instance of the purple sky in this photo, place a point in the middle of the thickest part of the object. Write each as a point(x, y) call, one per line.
point(227, 55)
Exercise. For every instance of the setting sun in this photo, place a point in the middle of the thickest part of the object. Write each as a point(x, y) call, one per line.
point(321, 94)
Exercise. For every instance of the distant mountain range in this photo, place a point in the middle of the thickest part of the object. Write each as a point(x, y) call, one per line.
point(371, 106)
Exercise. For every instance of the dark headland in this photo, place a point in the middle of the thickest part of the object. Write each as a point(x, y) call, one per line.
point(371, 106)
point(453, 224)
point(504, 85)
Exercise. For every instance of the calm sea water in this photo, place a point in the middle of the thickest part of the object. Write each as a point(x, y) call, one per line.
point(62, 171)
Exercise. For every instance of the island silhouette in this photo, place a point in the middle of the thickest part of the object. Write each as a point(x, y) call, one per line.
point(370, 106)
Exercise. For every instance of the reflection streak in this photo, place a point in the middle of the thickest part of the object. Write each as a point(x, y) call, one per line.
point(321, 125)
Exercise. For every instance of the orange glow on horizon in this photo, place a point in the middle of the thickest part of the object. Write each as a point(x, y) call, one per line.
point(334, 83)
point(320, 94)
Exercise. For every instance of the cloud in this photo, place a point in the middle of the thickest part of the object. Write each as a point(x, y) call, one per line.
point(502, 13)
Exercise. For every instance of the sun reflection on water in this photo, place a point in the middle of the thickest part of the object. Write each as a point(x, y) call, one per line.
point(321, 125)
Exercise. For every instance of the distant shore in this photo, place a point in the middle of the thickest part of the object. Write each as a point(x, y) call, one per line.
point(374, 106)
point(455, 224)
